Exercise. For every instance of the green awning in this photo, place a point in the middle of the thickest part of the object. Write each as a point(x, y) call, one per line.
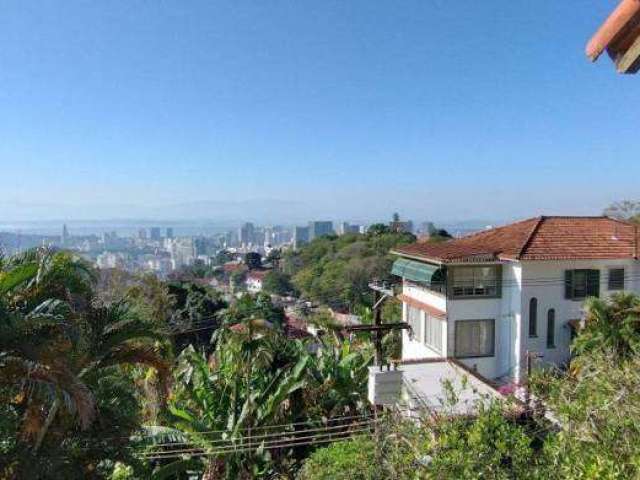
point(416, 271)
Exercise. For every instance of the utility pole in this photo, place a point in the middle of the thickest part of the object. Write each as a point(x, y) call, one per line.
point(530, 357)
point(380, 293)
point(377, 321)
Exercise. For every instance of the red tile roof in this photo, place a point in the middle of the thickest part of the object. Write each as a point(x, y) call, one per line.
point(257, 274)
point(539, 238)
point(617, 35)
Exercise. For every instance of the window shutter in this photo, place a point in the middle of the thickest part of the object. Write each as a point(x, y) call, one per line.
point(568, 284)
point(593, 283)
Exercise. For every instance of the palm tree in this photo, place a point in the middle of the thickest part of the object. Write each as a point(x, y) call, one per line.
point(611, 325)
point(57, 346)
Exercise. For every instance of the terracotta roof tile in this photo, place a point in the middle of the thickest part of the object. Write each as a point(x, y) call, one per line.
point(540, 238)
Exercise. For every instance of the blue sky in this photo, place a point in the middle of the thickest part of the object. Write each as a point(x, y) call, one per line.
point(345, 109)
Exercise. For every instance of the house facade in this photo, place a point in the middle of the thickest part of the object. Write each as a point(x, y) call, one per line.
point(489, 299)
point(254, 280)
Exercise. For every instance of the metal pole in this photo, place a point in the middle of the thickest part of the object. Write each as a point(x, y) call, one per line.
point(377, 320)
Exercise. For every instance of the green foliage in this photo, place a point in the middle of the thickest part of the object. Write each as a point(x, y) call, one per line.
point(277, 283)
point(336, 271)
point(489, 446)
point(611, 325)
point(353, 459)
point(253, 260)
point(251, 308)
point(597, 405)
point(65, 369)
point(237, 278)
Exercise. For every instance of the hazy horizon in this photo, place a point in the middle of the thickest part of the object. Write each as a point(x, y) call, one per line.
point(291, 111)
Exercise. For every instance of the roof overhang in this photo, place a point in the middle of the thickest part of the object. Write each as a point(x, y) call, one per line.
point(619, 35)
point(412, 270)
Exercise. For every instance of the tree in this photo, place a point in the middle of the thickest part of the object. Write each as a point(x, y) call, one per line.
point(624, 210)
point(253, 260)
point(277, 283)
point(337, 271)
point(439, 235)
point(611, 325)
point(378, 229)
point(61, 358)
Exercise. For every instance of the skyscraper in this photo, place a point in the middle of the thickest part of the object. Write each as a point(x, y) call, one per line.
point(246, 234)
point(155, 233)
point(169, 232)
point(300, 236)
point(319, 229)
point(65, 235)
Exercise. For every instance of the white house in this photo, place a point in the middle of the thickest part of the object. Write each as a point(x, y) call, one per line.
point(254, 280)
point(487, 299)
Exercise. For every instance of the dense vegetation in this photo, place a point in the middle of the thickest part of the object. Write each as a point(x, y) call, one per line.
point(97, 384)
point(336, 271)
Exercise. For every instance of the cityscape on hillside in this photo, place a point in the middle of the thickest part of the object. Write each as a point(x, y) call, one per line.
point(161, 251)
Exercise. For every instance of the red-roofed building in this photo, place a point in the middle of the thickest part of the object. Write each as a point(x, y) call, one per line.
point(254, 280)
point(488, 298)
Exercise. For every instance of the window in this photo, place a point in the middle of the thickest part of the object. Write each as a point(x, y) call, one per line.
point(616, 279)
point(551, 328)
point(582, 283)
point(433, 333)
point(475, 282)
point(414, 319)
point(475, 338)
point(533, 317)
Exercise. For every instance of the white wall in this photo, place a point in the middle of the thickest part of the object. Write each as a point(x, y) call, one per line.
point(434, 299)
point(413, 347)
point(544, 280)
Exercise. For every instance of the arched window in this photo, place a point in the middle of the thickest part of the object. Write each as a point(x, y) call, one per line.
point(551, 328)
point(533, 317)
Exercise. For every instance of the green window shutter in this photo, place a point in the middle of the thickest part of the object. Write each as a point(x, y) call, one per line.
point(499, 281)
point(568, 284)
point(593, 283)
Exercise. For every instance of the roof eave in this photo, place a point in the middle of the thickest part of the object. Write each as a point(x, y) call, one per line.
point(421, 258)
point(617, 21)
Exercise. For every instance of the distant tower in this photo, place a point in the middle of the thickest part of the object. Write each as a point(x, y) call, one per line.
point(169, 232)
point(156, 234)
point(246, 234)
point(65, 235)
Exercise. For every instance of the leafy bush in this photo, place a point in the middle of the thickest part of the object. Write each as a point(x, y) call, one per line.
point(353, 459)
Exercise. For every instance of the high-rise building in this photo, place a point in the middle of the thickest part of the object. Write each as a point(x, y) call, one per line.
point(300, 236)
point(246, 234)
point(346, 227)
point(142, 234)
point(319, 229)
point(65, 235)
point(156, 234)
point(169, 232)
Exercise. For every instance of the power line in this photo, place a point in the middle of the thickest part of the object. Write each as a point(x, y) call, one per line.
point(249, 441)
point(303, 441)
